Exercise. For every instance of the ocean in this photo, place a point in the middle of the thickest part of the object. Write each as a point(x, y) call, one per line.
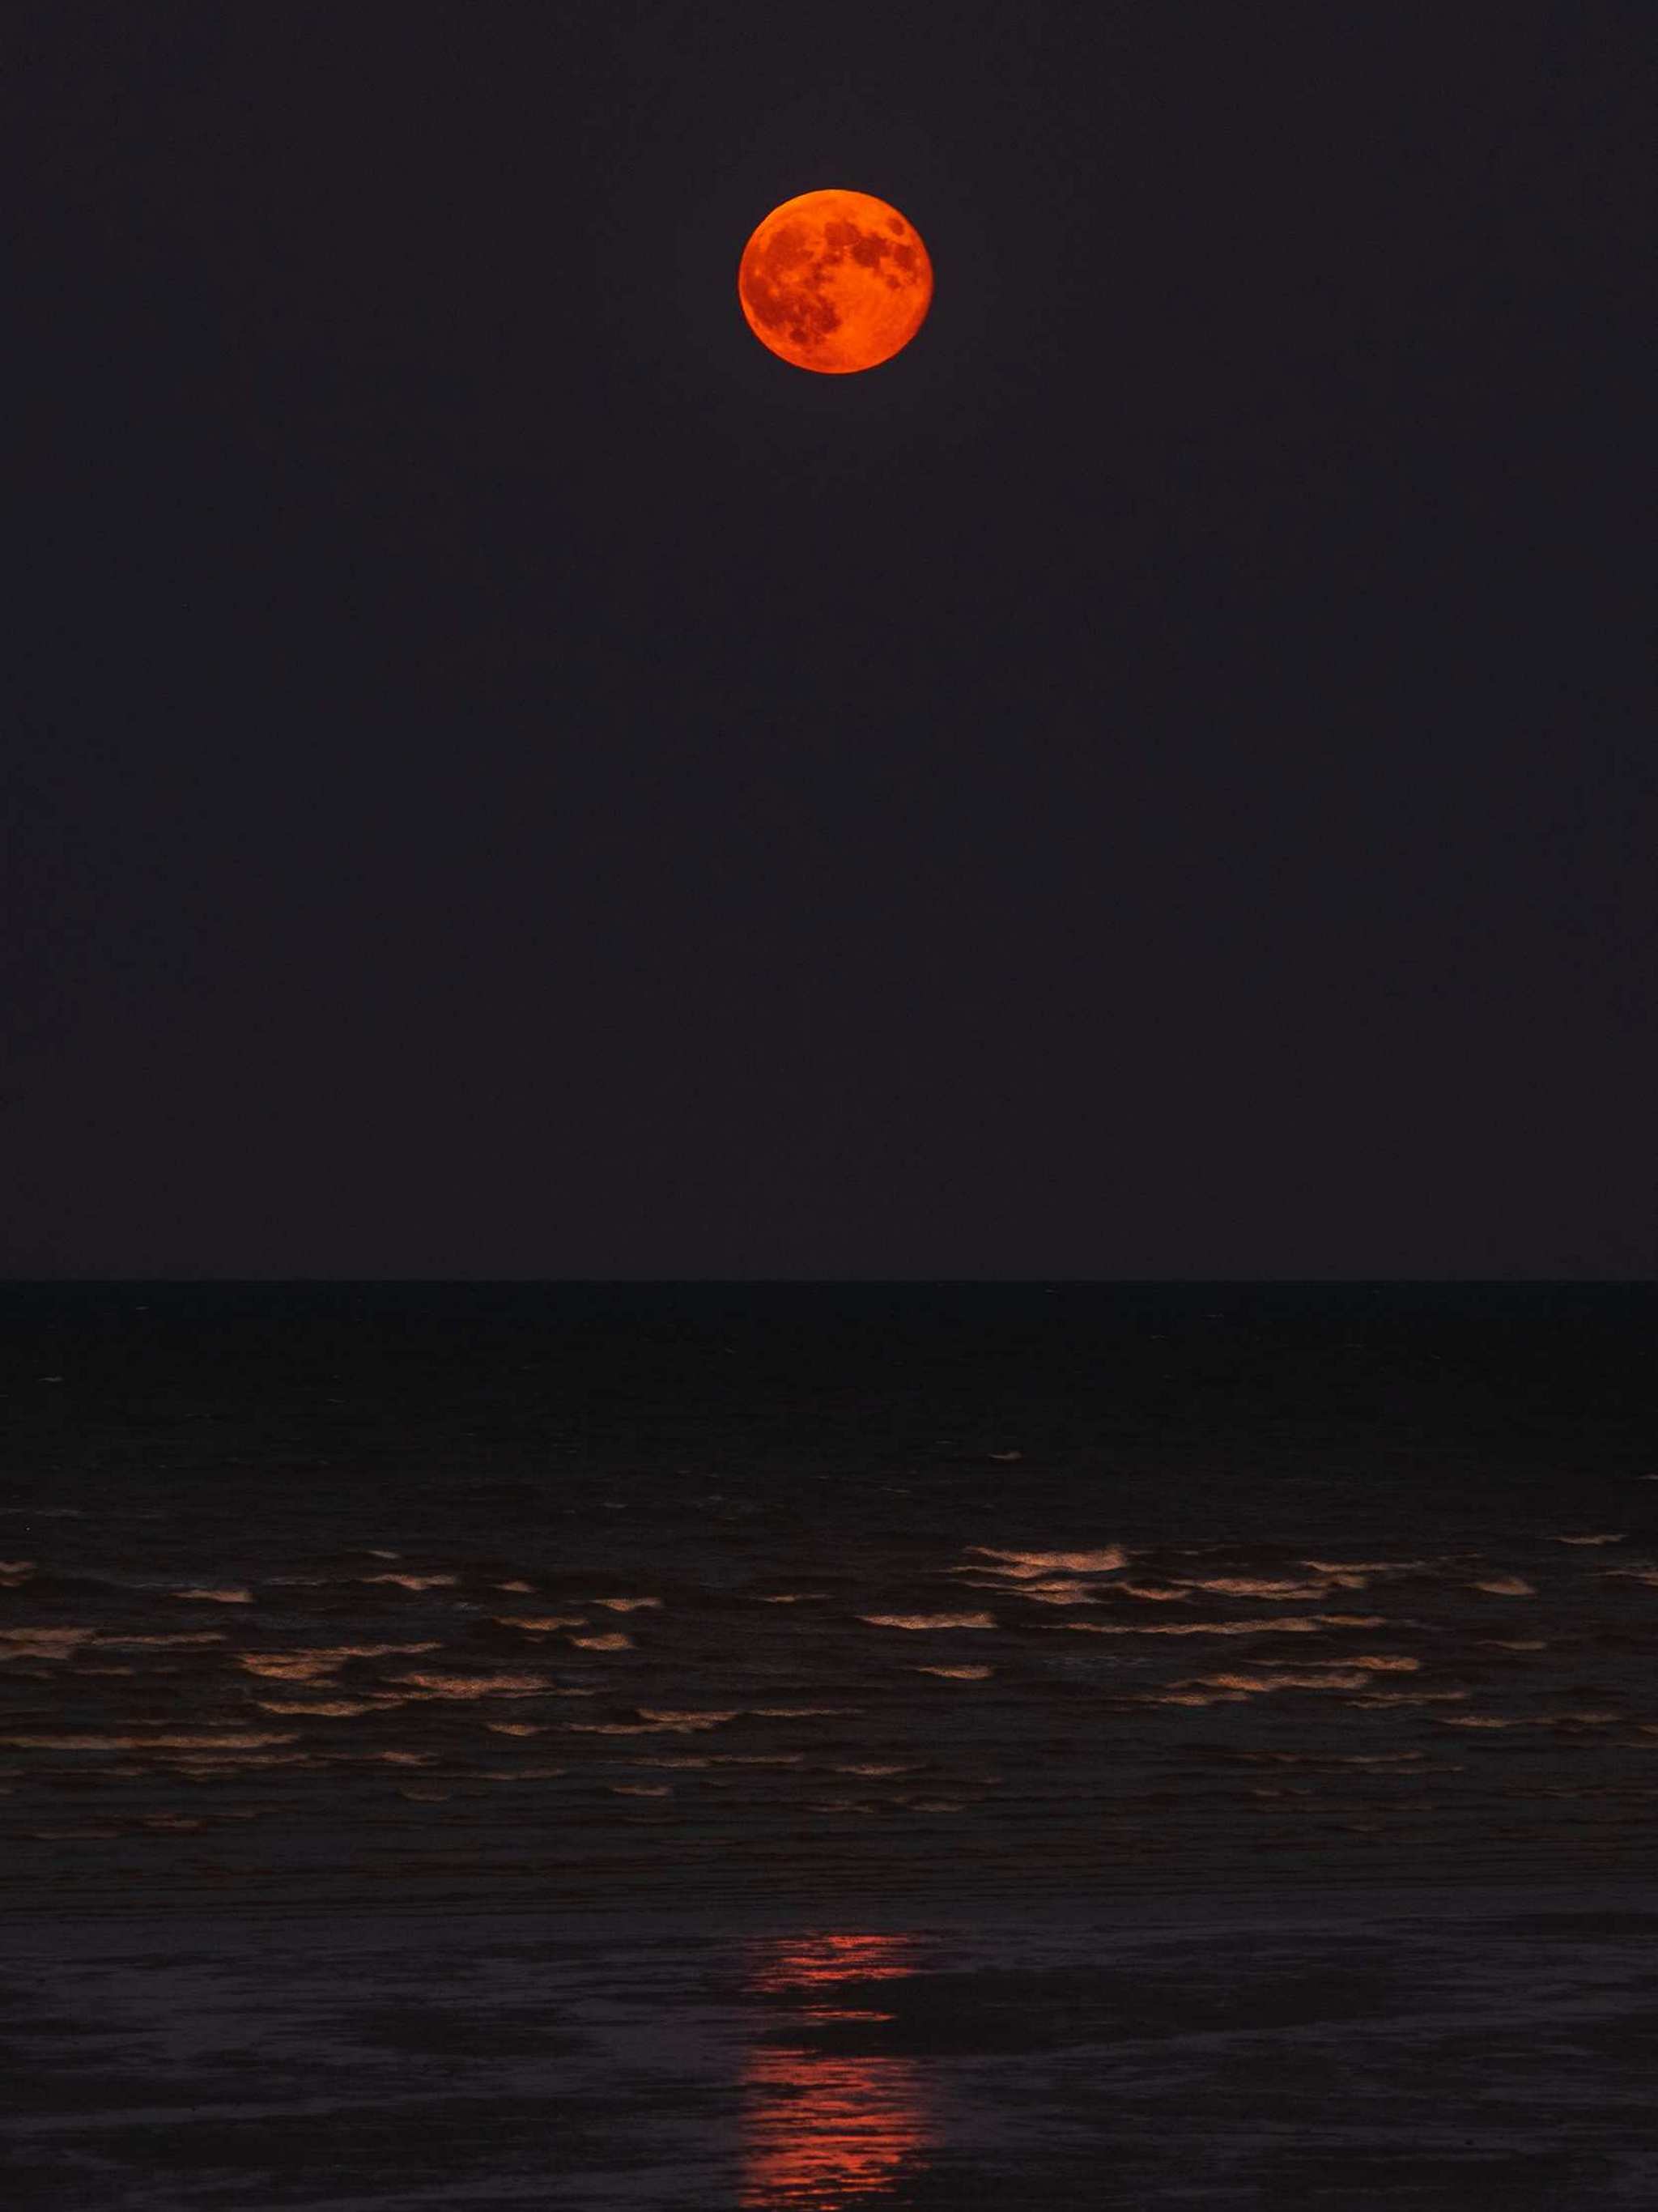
point(828, 1745)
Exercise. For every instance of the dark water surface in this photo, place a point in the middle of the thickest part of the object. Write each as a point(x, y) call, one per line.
point(814, 1745)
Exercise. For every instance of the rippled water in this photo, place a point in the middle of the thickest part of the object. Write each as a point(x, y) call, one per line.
point(849, 1604)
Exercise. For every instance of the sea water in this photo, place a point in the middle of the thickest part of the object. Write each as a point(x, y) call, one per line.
point(838, 1682)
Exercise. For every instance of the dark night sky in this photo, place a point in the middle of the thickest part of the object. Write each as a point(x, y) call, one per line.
point(506, 778)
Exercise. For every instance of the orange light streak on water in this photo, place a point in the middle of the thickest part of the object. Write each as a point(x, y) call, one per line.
point(821, 2131)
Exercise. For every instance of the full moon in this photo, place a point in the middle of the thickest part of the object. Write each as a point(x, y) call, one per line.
point(836, 281)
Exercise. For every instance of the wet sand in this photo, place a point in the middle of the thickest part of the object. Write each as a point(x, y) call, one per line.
point(1425, 2048)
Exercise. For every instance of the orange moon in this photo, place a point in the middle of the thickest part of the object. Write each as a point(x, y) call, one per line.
point(834, 282)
